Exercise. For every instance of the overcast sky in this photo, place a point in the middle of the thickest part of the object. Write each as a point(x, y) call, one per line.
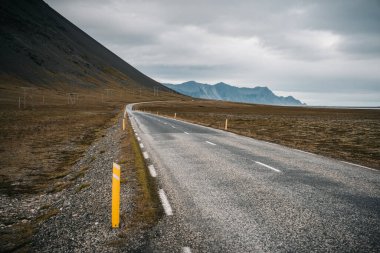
point(322, 52)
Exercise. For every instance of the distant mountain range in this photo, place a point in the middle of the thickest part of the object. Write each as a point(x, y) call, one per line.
point(223, 91)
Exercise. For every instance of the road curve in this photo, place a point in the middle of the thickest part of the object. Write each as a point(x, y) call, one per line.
point(230, 193)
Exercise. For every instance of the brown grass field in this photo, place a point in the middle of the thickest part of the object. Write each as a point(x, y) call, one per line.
point(352, 135)
point(40, 143)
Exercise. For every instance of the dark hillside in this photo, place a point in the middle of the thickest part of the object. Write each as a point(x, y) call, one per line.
point(39, 47)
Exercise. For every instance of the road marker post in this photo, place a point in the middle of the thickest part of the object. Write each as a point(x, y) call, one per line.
point(123, 124)
point(175, 115)
point(115, 195)
point(226, 125)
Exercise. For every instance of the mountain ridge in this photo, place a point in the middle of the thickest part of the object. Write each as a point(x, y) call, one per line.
point(41, 48)
point(227, 92)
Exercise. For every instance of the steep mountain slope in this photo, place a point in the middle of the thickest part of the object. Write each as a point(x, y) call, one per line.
point(39, 47)
point(222, 91)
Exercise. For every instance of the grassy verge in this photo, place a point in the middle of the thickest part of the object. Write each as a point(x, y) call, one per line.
point(146, 204)
point(347, 134)
point(148, 208)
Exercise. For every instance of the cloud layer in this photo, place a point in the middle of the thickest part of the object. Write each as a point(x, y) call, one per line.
point(305, 47)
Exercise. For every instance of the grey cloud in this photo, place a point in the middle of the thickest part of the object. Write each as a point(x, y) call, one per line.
point(308, 46)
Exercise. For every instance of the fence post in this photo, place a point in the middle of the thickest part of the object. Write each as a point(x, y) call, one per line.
point(115, 195)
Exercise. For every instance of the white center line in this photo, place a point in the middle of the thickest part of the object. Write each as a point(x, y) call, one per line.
point(173, 126)
point(165, 202)
point(152, 171)
point(141, 145)
point(145, 154)
point(186, 132)
point(358, 165)
point(267, 166)
point(186, 250)
point(165, 123)
point(210, 143)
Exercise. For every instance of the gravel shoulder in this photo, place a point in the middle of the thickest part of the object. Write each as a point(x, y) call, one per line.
point(83, 221)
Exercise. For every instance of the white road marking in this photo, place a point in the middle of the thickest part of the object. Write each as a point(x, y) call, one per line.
point(365, 167)
point(186, 250)
point(267, 166)
point(141, 145)
point(173, 126)
point(145, 154)
point(186, 132)
point(211, 143)
point(165, 202)
point(152, 171)
point(165, 123)
point(304, 152)
point(138, 138)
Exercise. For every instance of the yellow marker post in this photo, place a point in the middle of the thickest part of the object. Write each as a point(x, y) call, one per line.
point(123, 124)
point(226, 125)
point(115, 195)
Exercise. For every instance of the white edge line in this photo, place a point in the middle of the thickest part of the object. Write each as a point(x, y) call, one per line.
point(304, 152)
point(145, 154)
point(138, 138)
point(165, 202)
point(186, 250)
point(152, 171)
point(361, 166)
point(141, 145)
point(267, 166)
point(211, 143)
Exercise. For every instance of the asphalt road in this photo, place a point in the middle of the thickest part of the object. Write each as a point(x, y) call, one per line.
point(229, 193)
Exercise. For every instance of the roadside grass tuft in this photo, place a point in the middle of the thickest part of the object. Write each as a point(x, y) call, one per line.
point(81, 187)
point(148, 208)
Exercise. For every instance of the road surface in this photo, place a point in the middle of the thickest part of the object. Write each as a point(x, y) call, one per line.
point(229, 193)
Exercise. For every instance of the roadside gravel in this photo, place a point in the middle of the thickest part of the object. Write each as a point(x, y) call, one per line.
point(83, 223)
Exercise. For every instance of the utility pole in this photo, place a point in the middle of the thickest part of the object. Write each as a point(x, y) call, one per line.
point(72, 98)
point(155, 91)
point(108, 92)
point(27, 93)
